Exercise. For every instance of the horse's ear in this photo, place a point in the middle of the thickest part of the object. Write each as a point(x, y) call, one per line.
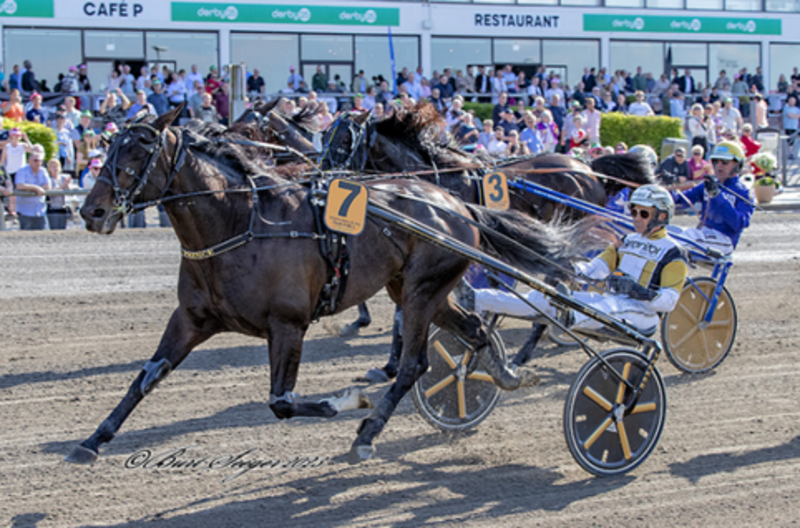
point(362, 117)
point(166, 119)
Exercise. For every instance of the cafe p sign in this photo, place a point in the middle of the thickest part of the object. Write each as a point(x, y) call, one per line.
point(112, 9)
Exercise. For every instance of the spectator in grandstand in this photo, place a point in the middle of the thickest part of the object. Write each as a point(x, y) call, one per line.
point(698, 125)
point(32, 210)
point(207, 111)
point(530, 136)
point(158, 98)
point(84, 125)
point(57, 212)
point(483, 84)
point(507, 122)
point(29, 84)
point(686, 83)
point(698, 166)
point(557, 111)
point(640, 106)
point(176, 90)
point(577, 136)
point(90, 179)
point(73, 114)
point(114, 107)
point(661, 85)
point(255, 84)
point(593, 118)
point(486, 137)
point(143, 80)
point(213, 82)
point(222, 102)
point(674, 169)
point(141, 104)
point(499, 107)
point(294, 78)
point(739, 86)
point(498, 87)
point(497, 146)
point(608, 102)
point(790, 113)
point(465, 132)
point(88, 143)
point(66, 148)
point(555, 94)
point(14, 79)
point(36, 114)
point(514, 146)
point(639, 81)
point(548, 132)
point(193, 77)
point(761, 111)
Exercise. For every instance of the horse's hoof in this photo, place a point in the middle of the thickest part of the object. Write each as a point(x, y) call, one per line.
point(527, 377)
point(375, 375)
point(350, 330)
point(81, 455)
point(360, 453)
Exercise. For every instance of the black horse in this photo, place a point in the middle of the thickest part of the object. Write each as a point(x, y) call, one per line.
point(410, 142)
point(252, 264)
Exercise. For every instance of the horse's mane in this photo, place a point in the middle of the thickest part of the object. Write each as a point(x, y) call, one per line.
point(205, 139)
point(306, 118)
point(633, 167)
point(418, 130)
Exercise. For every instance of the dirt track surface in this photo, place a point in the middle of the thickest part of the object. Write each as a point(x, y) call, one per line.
point(80, 314)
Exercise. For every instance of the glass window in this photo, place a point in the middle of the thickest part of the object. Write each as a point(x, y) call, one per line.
point(689, 54)
point(703, 4)
point(628, 55)
point(114, 44)
point(574, 55)
point(783, 5)
point(580, 2)
point(624, 3)
point(665, 4)
point(743, 5)
point(184, 48)
point(372, 55)
point(326, 47)
point(517, 51)
point(457, 53)
point(783, 60)
point(538, 2)
point(258, 52)
point(37, 45)
point(493, 1)
point(732, 58)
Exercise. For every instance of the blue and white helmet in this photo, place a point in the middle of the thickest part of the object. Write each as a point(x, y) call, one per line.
point(654, 196)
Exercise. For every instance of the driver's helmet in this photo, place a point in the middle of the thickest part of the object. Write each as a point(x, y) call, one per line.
point(654, 196)
point(728, 150)
point(648, 151)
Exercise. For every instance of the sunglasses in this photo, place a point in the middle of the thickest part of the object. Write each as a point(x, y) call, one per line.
point(644, 215)
point(697, 154)
point(679, 154)
point(93, 169)
point(721, 162)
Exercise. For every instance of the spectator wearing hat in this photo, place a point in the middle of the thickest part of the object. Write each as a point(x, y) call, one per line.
point(36, 114)
point(89, 142)
point(294, 78)
point(158, 98)
point(66, 149)
point(32, 210)
point(90, 179)
point(114, 107)
point(69, 84)
point(141, 104)
point(95, 153)
point(84, 125)
point(358, 106)
point(674, 170)
point(507, 122)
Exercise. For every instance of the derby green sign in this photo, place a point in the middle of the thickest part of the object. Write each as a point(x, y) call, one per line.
point(670, 24)
point(284, 14)
point(26, 8)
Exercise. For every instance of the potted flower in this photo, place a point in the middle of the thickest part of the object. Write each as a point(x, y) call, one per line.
point(765, 185)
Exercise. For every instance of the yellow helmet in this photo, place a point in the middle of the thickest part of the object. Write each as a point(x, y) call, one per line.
point(728, 150)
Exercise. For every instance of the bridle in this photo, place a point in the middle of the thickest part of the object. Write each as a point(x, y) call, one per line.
point(123, 200)
point(359, 134)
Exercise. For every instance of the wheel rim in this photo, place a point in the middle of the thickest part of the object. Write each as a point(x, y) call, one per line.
point(692, 346)
point(448, 395)
point(604, 438)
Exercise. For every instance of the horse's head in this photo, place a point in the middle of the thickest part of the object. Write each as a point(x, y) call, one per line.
point(281, 131)
point(346, 143)
point(132, 173)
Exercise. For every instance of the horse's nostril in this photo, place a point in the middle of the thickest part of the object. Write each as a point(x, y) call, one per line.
point(98, 213)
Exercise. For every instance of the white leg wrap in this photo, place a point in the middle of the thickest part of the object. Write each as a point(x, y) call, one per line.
point(353, 398)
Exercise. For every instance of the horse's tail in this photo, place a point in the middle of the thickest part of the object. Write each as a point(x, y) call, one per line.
point(631, 167)
point(548, 247)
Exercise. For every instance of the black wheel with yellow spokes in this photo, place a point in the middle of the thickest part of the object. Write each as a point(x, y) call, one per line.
point(605, 436)
point(453, 394)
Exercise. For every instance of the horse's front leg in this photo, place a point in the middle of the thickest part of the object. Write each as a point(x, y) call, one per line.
point(181, 336)
point(285, 351)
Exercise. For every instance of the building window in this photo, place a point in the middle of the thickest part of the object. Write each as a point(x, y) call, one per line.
point(580, 2)
point(38, 46)
point(624, 3)
point(732, 58)
point(259, 52)
point(113, 44)
point(372, 56)
point(628, 55)
point(180, 49)
point(665, 4)
point(326, 48)
point(792, 6)
point(538, 2)
point(783, 60)
point(570, 57)
point(458, 53)
point(743, 5)
point(689, 54)
point(517, 51)
point(704, 4)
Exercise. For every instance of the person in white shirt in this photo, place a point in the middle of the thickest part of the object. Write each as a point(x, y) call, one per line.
point(555, 89)
point(510, 79)
point(640, 107)
point(593, 117)
point(498, 86)
point(497, 146)
point(192, 77)
point(413, 86)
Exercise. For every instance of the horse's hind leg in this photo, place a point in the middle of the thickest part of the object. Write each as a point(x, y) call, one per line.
point(285, 351)
point(363, 321)
point(180, 337)
point(389, 371)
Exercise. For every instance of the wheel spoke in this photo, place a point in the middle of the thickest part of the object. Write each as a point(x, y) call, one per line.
point(462, 403)
point(621, 390)
point(713, 324)
point(597, 398)
point(439, 386)
point(467, 356)
point(689, 313)
point(623, 439)
point(480, 376)
point(445, 354)
point(685, 338)
point(644, 407)
point(596, 434)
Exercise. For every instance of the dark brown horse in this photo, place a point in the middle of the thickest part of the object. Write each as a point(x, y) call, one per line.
point(252, 264)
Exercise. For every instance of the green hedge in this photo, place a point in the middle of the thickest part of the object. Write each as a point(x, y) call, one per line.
point(635, 130)
point(37, 133)
point(483, 111)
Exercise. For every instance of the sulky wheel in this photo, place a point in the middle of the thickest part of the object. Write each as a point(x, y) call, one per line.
point(693, 345)
point(605, 437)
point(449, 396)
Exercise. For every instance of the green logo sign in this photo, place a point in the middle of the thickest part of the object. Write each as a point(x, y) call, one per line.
point(668, 24)
point(284, 14)
point(26, 8)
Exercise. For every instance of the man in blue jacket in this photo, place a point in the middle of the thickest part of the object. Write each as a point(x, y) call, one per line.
point(726, 203)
